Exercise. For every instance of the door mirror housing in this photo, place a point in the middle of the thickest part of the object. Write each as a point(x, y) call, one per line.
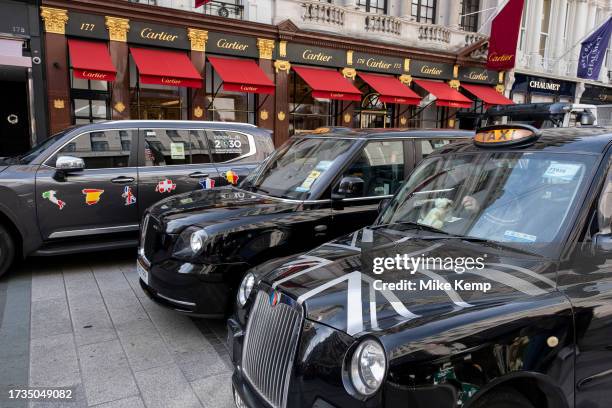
point(69, 164)
point(350, 186)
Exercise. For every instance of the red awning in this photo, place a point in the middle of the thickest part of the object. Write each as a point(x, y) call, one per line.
point(242, 75)
point(487, 94)
point(164, 67)
point(391, 90)
point(91, 60)
point(328, 84)
point(446, 96)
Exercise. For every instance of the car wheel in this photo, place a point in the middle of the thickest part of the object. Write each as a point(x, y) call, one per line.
point(7, 250)
point(503, 398)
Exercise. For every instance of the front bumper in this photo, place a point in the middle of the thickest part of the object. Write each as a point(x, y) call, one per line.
point(197, 290)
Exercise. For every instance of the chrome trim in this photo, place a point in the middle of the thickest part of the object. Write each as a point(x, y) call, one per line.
point(94, 231)
point(382, 197)
point(270, 344)
point(288, 200)
point(178, 302)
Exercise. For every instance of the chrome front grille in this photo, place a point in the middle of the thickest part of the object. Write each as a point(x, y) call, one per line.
point(148, 237)
point(269, 348)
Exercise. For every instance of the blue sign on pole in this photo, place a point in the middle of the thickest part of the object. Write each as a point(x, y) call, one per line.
point(593, 51)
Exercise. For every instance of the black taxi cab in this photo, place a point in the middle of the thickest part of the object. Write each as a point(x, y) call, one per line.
point(196, 247)
point(485, 282)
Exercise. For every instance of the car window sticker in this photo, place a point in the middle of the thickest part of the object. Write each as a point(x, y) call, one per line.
point(232, 177)
point(519, 236)
point(307, 184)
point(561, 171)
point(227, 143)
point(177, 151)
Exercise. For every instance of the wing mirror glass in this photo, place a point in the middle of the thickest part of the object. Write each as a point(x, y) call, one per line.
point(69, 163)
point(384, 203)
point(587, 119)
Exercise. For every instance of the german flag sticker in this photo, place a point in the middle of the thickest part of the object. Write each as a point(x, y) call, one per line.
point(231, 177)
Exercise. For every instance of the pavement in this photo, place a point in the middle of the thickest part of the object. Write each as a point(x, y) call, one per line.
point(82, 322)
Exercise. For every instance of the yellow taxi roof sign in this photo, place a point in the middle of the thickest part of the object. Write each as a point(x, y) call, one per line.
point(320, 130)
point(505, 135)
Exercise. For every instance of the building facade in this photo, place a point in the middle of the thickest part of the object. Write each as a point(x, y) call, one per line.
point(355, 65)
point(548, 50)
point(22, 119)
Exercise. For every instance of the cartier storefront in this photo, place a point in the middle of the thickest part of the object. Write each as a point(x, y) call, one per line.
point(106, 59)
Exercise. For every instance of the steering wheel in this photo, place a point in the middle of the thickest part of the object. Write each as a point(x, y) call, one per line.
point(506, 210)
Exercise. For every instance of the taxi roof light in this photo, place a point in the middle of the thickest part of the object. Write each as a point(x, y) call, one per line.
point(506, 135)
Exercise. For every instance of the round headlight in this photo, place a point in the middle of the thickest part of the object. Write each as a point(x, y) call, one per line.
point(197, 241)
point(368, 366)
point(244, 291)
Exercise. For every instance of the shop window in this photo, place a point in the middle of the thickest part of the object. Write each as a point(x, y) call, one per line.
point(305, 112)
point(100, 150)
point(381, 167)
point(469, 15)
point(90, 100)
point(373, 113)
point(156, 102)
point(424, 11)
point(227, 106)
point(167, 147)
point(373, 6)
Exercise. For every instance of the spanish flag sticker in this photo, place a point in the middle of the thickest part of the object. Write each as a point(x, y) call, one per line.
point(92, 195)
point(232, 177)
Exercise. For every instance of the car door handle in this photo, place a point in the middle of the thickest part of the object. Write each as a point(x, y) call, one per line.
point(123, 180)
point(198, 174)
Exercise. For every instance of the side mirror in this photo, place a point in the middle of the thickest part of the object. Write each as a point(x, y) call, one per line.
point(69, 164)
point(350, 186)
point(602, 243)
point(384, 203)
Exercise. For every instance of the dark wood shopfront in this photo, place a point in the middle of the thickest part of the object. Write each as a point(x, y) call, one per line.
point(275, 50)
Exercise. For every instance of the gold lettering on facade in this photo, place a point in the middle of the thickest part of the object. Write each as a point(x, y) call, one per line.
point(119, 107)
point(374, 63)
point(117, 28)
point(232, 45)
point(263, 114)
point(149, 34)
point(171, 81)
point(198, 39)
point(478, 76)
point(426, 69)
point(58, 104)
point(281, 116)
point(310, 55)
point(55, 19)
point(500, 57)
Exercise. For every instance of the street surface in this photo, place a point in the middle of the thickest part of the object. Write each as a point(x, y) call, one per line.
point(82, 322)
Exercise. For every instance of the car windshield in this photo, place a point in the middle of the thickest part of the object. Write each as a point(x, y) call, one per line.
point(296, 169)
point(41, 147)
point(520, 199)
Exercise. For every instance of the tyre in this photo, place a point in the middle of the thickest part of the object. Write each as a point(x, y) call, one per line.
point(503, 398)
point(7, 250)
